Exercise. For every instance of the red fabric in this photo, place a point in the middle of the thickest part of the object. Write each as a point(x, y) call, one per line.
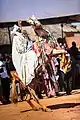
point(37, 49)
point(47, 48)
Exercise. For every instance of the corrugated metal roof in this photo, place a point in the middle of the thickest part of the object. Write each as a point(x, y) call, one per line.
point(78, 28)
point(69, 28)
point(4, 37)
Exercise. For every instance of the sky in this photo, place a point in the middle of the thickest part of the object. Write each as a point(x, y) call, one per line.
point(76, 24)
point(12, 10)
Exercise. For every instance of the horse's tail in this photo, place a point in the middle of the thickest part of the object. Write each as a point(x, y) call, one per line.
point(14, 96)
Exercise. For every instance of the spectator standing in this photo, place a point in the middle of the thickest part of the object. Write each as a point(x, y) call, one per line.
point(5, 83)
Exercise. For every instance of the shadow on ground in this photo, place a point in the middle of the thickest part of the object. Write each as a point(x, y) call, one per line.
point(26, 110)
point(64, 105)
point(58, 106)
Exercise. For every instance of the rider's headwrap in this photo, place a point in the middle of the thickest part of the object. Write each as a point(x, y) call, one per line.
point(15, 29)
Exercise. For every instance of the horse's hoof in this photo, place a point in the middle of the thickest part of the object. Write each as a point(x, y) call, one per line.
point(46, 109)
point(36, 109)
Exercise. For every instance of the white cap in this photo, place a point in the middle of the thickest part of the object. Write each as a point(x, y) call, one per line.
point(1, 63)
point(15, 28)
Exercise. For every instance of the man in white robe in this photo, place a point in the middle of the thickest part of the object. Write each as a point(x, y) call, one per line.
point(23, 57)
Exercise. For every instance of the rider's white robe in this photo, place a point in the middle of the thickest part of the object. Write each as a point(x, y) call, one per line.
point(24, 61)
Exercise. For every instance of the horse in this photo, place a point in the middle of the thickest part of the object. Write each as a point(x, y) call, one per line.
point(47, 43)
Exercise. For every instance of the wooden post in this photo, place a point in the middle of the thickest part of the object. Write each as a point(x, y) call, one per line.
point(62, 29)
point(9, 35)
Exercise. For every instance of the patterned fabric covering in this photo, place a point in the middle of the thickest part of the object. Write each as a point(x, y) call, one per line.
point(27, 54)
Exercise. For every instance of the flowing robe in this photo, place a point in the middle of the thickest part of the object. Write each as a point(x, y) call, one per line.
point(25, 61)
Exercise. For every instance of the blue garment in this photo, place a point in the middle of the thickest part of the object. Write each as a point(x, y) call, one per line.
point(29, 45)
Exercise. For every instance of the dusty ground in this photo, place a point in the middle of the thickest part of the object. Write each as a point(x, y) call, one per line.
point(63, 108)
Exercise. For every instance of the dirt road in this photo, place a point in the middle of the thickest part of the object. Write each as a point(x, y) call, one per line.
point(63, 108)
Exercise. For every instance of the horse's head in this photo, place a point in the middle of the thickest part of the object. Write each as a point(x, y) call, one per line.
point(34, 21)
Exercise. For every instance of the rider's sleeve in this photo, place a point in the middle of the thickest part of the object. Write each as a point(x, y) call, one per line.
point(20, 47)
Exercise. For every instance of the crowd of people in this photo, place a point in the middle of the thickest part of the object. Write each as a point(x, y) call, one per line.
point(53, 64)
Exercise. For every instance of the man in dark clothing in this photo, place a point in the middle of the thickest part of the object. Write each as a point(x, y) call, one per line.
point(73, 50)
point(74, 53)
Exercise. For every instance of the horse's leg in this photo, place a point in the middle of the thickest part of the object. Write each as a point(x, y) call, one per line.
point(30, 102)
point(14, 92)
point(36, 99)
point(32, 105)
